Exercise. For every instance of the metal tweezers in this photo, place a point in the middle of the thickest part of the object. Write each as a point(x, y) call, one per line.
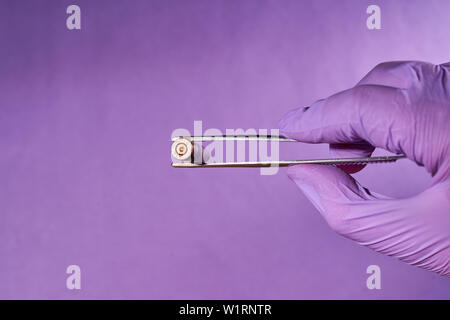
point(183, 149)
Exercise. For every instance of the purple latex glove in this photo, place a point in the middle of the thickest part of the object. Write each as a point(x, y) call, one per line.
point(403, 107)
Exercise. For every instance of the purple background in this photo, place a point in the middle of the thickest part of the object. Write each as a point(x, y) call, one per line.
point(85, 122)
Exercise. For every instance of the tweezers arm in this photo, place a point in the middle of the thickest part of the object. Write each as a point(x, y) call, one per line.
point(341, 161)
point(244, 137)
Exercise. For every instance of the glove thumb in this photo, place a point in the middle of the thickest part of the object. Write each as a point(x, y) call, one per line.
point(415, 229)
point(332, 191)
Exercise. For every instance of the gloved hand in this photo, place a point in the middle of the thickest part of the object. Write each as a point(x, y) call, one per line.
point(403, 107)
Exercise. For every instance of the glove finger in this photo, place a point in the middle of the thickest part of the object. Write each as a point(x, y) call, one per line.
point(364, 114)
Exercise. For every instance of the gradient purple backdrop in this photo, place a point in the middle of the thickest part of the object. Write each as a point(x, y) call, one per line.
point(85, 122)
